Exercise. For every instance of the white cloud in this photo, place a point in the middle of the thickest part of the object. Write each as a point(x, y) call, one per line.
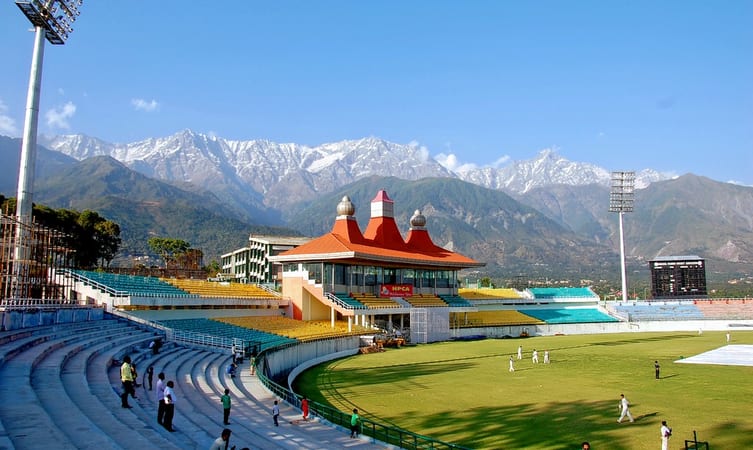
point(450, 161)
point(7, 124)
point(423, 151)
point(58, 117)
point(139, 104)
point(501, 161)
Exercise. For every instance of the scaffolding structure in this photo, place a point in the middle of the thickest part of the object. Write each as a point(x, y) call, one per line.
point(38, 282)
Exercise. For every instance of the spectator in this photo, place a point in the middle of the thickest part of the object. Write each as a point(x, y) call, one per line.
point(305, 408)
point(354, 422)
point(149, 377)
point(167, 421)
point(276, 413)
point(231, 369)
point(222, 442)
point(126, 378)
point(160, 397)
point(225, 399)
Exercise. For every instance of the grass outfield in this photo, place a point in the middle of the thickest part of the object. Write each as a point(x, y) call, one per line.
point(462, 392)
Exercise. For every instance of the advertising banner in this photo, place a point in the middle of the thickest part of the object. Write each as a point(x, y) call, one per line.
point(396, 290)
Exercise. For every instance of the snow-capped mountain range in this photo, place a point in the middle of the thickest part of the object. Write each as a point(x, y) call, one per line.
point(276, 175)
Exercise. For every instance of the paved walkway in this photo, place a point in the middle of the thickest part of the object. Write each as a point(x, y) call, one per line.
point(294, 433)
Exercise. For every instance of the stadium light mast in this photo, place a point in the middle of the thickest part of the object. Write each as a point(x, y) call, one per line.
point(621, 198)
point(52, 20)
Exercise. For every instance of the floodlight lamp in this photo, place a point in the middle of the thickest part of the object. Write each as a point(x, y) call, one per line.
point(55, 17)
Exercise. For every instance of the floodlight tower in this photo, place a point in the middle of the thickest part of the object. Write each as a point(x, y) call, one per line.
point(52, 20)
point(621, 201)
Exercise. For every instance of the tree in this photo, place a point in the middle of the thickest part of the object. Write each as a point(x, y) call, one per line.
point(213, 268)
point(168, 248)
point(91, 237)
point(108, 238)
point(97, 238)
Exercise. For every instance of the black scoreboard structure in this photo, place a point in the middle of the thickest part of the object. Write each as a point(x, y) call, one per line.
point(678, 277)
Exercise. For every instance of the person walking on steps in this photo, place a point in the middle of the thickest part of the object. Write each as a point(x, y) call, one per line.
point(354, 422)
point(225, 399)
point(305, 408)
point(276, 413)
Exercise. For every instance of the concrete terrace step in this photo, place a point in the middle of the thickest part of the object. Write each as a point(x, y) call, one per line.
point(192, 405)
point(60, 390)
point(12, 335)
point(250, 418)
point(104, 417)
point(39, 335)
point(143, 415)
point(21, 412)
point(247, 423)
point(46, 380)
point(292, 432)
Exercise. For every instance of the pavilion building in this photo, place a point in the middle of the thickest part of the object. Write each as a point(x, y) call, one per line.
point(374, 276)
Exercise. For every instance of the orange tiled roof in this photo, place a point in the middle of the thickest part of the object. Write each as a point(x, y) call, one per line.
point(382, 242)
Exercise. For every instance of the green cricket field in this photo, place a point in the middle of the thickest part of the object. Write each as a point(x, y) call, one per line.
point(464, 393)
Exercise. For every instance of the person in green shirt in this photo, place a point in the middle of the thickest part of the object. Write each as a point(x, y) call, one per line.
point(354, 420)
point(225, 399)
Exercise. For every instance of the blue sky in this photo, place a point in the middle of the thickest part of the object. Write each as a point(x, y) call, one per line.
point(626, 85)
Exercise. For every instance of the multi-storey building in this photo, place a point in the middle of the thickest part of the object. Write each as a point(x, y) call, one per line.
point(251, 264)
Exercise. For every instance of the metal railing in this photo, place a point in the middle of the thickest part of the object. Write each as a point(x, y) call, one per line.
point(336, 300)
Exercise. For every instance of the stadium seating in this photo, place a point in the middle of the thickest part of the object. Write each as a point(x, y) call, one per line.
point(456, 301)
point(350, 301)
point(216, 289)
point(492, 318)
point(659, 311)
point(216, 328)
point(372, 301)
point(133, 285)
point(425, 301)
point(725, 309)
point(562, 293)
point(294, 329)
point(490, 294)
point(569, 315)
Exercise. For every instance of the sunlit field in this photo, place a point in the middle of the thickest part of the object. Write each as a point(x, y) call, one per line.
point(462, 392)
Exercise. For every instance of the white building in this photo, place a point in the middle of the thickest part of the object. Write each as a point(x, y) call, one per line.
point(251, 264)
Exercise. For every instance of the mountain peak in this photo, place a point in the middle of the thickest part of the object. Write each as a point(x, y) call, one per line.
point(283, 174)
